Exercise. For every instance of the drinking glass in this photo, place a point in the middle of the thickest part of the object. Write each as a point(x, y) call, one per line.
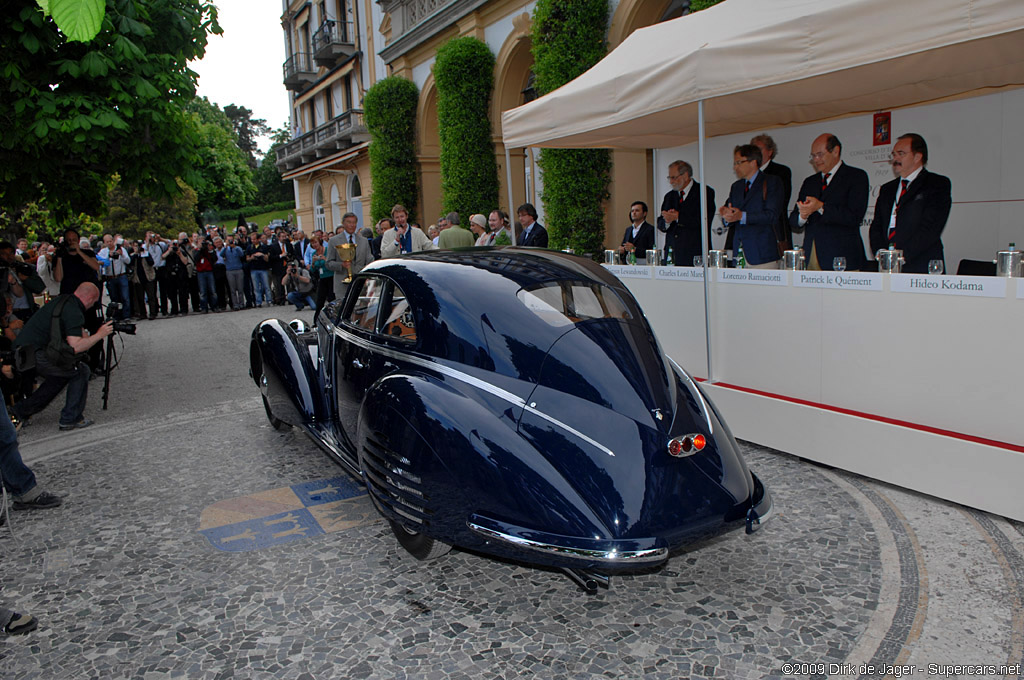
point(698, 261)
point(839, 264)
point(935, 266)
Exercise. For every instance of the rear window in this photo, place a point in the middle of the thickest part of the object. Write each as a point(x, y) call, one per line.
point(562, 303)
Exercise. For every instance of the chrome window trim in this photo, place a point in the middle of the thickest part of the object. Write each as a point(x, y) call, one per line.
point(473, 381)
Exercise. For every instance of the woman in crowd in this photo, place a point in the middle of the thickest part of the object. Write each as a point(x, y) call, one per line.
point(480, 228)
point(318, 268)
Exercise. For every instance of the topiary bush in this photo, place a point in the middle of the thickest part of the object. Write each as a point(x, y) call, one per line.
point(464, 75)
point(389, 109)
point(569, 38)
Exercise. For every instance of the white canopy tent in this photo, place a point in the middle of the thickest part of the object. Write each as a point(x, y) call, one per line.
point(748, 65)
point(758, 64)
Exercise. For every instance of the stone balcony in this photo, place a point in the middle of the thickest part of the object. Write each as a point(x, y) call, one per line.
point(299, 71)
point(332, 41)
point(336, 134)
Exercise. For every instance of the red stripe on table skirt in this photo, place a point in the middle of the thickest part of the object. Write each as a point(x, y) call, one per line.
point(871, 416)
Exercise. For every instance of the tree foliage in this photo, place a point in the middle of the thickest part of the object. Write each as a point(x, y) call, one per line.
point(74, 113)
point(132, 214)
point(79, 20)
point(221, 177)
point(569, 38)
point(464, 74)
point(389, 109)
point(247, 130)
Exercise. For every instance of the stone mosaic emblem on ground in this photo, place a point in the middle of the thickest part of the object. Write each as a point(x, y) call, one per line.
point(289, 513)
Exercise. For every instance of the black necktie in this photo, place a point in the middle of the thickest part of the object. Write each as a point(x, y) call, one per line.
point(746, 188)
point(350, 239)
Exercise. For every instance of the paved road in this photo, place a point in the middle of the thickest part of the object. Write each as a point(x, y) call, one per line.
point(198, 542)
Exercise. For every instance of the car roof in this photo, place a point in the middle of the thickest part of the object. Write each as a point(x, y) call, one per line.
point(467, 306)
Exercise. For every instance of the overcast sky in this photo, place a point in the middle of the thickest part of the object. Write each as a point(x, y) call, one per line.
point(243, 66)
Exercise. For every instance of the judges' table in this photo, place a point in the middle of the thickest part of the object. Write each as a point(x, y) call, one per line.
point(911, 379)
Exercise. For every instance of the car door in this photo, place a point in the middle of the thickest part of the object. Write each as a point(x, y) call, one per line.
point(356, 364)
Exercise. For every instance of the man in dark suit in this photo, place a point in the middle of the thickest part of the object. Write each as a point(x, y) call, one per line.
point(830, 207)
point(299, 245)
point(911, 211)
point(680, 215)
point(639, 235)
point(533, 233)
point(343, 270)
point(755, 200)
point(770, 166)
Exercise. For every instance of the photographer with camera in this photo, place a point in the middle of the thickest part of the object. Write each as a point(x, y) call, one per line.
point(298, 285)
point(77, 264)
point(178, 266)
point(206, 258)
point(57, 335)
point(115, 264)
point(21, 281)
point(45, 265)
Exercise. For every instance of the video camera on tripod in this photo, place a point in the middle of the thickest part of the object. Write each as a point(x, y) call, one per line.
point(109, 353)
point(113, 310)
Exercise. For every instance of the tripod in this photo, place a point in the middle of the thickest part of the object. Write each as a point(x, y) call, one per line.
point(110, 362)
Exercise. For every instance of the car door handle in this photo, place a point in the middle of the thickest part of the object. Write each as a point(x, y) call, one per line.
point(358, 364)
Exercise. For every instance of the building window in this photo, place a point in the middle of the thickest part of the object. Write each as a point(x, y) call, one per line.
point(319, 214)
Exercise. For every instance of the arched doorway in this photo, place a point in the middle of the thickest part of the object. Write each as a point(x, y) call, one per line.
point(513, 86)
point(429, 154)
point(633, 14)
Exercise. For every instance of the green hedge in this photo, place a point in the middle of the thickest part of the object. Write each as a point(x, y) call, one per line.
point(389, 109)
point(464, 74)
point(569, 38)
point(230, 214)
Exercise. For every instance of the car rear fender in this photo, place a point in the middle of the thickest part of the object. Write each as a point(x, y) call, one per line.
point(453, 451)
point(281, 366)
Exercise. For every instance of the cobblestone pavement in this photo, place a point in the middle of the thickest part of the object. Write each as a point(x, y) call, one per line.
point(164, 562)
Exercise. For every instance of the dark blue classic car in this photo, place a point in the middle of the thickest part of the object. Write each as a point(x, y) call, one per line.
point(513, 402)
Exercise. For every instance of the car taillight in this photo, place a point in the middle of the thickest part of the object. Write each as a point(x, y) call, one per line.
point(687, 445)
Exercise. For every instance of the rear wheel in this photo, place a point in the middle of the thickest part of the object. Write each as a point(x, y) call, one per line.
point(418, 545)
point(275, 423)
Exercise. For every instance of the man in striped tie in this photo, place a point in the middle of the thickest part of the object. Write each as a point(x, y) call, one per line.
point(911, 210)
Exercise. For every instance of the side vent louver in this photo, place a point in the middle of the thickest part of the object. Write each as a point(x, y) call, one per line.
point(392, 483)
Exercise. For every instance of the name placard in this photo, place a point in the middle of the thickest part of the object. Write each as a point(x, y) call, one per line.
point(972, 286)
point(629, 271)
point(760, 277)
point(679, 273)
point(838, 280)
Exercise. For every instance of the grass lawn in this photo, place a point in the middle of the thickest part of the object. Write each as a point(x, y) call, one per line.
point(263, 219)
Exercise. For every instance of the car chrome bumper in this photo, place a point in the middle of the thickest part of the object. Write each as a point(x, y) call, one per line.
point(609, 552)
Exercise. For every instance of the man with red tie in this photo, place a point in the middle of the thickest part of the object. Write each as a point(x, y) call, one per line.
point(911, 211)
point(830, 208)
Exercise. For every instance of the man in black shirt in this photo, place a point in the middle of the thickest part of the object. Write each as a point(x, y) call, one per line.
point(74, 266)
point(37, 332)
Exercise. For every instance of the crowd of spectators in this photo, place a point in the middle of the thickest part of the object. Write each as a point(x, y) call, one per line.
point(215, 271)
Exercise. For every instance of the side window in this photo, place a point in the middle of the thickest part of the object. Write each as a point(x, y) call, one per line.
point(367, 304)
point(399, 324)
